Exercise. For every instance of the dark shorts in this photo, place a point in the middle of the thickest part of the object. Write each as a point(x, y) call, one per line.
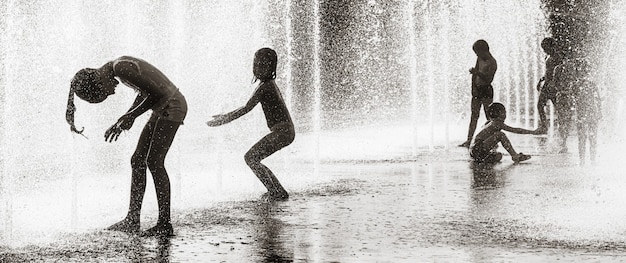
point(172, 108)
point(482, 91)
point(480, 154)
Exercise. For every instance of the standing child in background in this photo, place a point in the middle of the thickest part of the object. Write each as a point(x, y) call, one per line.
point(483, 149)
point(277, 117)
point(587, 103)
point(565, 79)
point(169, 108)
point(482, 91)
point(547, 91)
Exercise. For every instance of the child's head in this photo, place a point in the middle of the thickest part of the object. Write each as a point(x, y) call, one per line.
point(497, 111)
point(481, 48)
point(265, 61)
point(547, 44)
point(90, 86)
point(87, 86)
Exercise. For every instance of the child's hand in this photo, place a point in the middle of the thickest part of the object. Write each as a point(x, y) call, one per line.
point(113, 132)
point(216, 121)
point(541, 80)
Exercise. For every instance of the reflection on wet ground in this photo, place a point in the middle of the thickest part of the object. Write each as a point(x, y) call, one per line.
point(431, 207)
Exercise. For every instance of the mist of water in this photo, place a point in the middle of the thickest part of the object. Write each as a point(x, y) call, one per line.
point(377, 74)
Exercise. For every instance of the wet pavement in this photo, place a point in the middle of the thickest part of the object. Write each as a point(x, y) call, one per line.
point(400, 207)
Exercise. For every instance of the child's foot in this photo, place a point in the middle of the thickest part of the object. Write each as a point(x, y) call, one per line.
point(160, 230)
point(465, 144)
point(270, 197)
point(281, 196)
point(520, 157)
point(126, 225)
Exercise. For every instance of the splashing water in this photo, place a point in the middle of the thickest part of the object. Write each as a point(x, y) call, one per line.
point(375, 81)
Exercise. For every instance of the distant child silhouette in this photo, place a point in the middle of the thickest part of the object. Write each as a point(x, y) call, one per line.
point(588, 107)
point(546, 86)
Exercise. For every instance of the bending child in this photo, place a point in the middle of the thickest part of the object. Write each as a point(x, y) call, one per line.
point(482, 91)
point(169, 108)
point(483, 149)
point(277, 117)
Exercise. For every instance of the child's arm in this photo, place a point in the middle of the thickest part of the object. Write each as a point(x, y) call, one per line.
point(128, 71)
point(233, 115)
point(519, 130)
point(490, 72)
point(486, 76)
point(126, 121)
point(142, 104)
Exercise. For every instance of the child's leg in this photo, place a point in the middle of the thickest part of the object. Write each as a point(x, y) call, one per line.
point(500, 137)
point(593, 140)
point(486, 102)
point(564, 114)
point(483, 151)
point(475, 113)
point(541, 104)
point(164, 134)
point(582, 140)
point(268, 145)
point(138, 182)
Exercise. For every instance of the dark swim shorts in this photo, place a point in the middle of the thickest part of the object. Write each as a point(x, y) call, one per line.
point(482, 91)
point(480, 154)
point(172, 108)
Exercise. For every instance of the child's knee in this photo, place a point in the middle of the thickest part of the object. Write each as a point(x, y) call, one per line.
point(251, 158)
point(138, 161)
point(498, 156)
point(154, 162)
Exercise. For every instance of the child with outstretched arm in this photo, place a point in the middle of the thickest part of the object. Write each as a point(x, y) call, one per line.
point(282, 132)
point(483, 148)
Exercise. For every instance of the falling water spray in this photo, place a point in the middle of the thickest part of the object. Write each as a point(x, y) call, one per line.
point(317, 103)
point(410, 26)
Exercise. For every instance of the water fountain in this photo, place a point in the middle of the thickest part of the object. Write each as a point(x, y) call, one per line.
point(357, 79)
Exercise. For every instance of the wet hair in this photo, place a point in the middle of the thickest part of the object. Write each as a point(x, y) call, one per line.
point(480, 45)
point(547, 43)
point(495, 109)
point(264, 66)
point(85, 85)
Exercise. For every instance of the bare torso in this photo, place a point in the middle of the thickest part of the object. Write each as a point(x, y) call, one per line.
point(143, 77)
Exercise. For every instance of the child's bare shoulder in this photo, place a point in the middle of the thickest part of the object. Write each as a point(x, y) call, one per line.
point(496, 124)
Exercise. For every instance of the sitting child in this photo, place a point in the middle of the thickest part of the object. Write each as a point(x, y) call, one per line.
point(483, 148)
